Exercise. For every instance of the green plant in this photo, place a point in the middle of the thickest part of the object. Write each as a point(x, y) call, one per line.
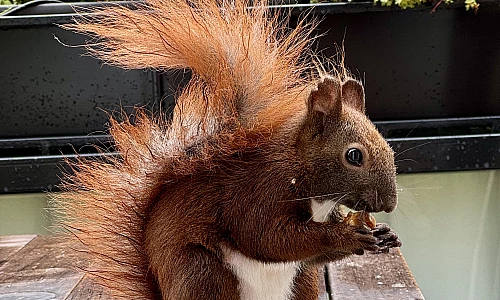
point(401, 3)
point(469, 4)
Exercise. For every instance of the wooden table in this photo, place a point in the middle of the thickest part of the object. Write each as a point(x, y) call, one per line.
point(37, 267)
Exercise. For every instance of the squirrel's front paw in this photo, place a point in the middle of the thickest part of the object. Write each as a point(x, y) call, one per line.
point(363, 240)
point(386, 238)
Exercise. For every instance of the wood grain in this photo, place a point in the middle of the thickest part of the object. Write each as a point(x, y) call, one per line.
point(52, 283)
point(373, 276)
point(87, 289)
point(323, 293)
point(9, 245)
point(41, 269)
point(44, 252)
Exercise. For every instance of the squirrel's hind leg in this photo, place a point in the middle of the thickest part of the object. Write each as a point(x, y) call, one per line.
point(195, 272)
point(306, 285)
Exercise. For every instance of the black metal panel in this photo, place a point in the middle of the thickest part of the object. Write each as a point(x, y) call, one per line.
point(451, 153)
point(35, 173)
point(420, 146)
point(49, 89)
point(29, 175)
point(444, 144)
point(55, 7)
point(50, 146)
point(417, 65)
point(36, 164)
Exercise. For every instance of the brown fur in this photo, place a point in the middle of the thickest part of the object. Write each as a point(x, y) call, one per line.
point(248, 138)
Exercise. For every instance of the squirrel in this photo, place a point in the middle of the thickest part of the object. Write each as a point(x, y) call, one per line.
point(239, 194)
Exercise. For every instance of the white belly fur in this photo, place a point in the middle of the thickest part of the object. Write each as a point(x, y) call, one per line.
point(261, 281)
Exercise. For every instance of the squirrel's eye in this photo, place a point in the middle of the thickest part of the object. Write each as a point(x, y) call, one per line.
point(354, 156)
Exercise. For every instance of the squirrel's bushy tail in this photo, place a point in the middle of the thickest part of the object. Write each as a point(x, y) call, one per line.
point(245, 62)
point(103, 205)
point(246, 77)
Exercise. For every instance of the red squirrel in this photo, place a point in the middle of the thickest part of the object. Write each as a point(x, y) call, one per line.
point(239, 194)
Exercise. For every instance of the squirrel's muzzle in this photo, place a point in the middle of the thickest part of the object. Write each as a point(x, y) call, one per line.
point(386, 197)
point(382, 197)
point(386, 202)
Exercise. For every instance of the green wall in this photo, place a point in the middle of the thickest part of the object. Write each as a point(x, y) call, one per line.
point(450, 227)
point(449, 224)
point(23, 214)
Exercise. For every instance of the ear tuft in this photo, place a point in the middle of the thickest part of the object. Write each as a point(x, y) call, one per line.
point(353, 94)
point(326, 99)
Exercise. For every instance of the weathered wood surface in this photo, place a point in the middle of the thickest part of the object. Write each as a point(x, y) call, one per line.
point(11, 244)
point(87, 289)
point(372, 276)
point(41, 268)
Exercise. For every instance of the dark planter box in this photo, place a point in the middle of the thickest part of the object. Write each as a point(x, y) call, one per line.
point(431, 84)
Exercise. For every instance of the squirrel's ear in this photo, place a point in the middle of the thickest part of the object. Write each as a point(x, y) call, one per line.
point(353, 94)
point(326, 99)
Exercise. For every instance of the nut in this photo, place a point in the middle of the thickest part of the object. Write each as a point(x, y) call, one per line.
point(361, 218)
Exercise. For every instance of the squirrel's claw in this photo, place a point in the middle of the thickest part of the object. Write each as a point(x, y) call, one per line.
point(386, 238)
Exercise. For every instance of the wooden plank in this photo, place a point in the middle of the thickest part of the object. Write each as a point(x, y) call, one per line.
point(52, 283)
point(323, 293)
point(9, 245)
point(87, 289)
point(373, 276)
point(42, 269)
point(43, 252)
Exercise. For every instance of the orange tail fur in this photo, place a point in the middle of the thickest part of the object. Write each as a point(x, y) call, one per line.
point(245, 62)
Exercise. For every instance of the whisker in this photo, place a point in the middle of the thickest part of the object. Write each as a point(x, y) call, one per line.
point(403, 215)
point(424, 180)
point(326, 202)
point(336, 204)
point(329, 212)
point(421, 188)
point(357, 202)
point(338, 200)
point(312, 217)
point(399, 145)
point(407, 159)
point(313, 197)
point(411, 148)
point(327, 215)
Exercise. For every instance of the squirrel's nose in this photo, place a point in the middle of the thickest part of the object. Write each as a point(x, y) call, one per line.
point(391, 208)
point(390, 203)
